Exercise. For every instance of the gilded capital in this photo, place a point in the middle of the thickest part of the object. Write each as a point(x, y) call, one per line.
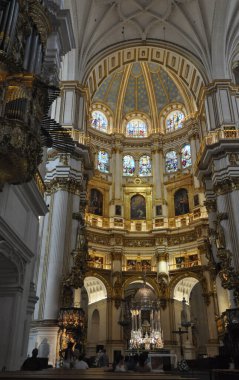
point(116, 255)
point(70, 185)
point(162, 256)
point(211, 205)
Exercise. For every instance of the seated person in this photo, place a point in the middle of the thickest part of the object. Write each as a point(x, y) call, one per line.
point(33, 363)
point(68, 356)
point(142, 364)
point(120, 366)
point(132, 362)
point(80, 363)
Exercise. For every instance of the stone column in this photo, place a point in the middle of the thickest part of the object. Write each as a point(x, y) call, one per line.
point(117, 172)
point(55, 255)
point(157, 158)
point(193, 138)
point(211, 309)
point(220, 105)
point(73, 106)
point(211, 206)
point(162, 260)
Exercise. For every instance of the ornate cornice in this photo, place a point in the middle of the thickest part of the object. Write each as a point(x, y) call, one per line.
point(117, 254)
point(161, 256)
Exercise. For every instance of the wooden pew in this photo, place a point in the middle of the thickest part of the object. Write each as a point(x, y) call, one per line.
point(90, 374)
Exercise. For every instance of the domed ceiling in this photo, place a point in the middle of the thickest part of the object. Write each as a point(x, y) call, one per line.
point(140, 86)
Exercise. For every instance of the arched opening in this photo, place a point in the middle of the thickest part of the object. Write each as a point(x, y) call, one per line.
point(95, 325)
point(191, 317)
point(9, 287)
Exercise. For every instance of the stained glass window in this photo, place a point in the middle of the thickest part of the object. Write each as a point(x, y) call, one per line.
point(128, 165)
point(103, 162)
point(171, 161)
point(145, 166)
point(99, 121)
point(186, 156)
point(174, 121)
point(136, 128)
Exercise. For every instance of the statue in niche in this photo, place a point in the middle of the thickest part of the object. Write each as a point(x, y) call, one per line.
point(220, 236)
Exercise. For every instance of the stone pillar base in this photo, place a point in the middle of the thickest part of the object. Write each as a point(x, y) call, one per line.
point(45, 339)
point(212, 349)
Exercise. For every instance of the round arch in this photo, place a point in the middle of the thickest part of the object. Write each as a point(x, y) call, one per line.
point(139, 279)
point(96, 288)
point(197, 277)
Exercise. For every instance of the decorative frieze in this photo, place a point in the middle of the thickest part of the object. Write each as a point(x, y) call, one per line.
point(183, 238)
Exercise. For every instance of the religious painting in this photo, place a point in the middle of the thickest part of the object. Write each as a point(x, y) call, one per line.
point(146, 265)
point(96, 262)
point(158, 210)
point(193, 260)
point(138, 207)
point(118, 210)
point(131, 264)
point(96, 202)
point(196, 200)
point(180, 261)
point(181, 203)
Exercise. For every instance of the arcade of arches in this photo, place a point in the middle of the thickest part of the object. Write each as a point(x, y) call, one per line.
point(127, 228)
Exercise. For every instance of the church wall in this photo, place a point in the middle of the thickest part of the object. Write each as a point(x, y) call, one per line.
point(101, 334)
point(19, 237)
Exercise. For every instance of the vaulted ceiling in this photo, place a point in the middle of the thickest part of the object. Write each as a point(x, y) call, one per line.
point(207, 30)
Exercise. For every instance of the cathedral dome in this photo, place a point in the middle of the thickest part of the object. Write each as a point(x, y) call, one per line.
point(144, 295)
point(139, 90)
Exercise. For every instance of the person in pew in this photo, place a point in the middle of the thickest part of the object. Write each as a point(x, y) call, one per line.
point(103, 359)
point(143, 363)
point(33, 363)
point(68, 356)
point(80, 363)
point(132, 362)
point(120, 365)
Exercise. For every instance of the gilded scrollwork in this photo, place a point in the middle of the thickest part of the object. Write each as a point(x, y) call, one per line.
point(117, 288)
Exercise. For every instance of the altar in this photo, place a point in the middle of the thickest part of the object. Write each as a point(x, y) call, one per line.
point(161, 361)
